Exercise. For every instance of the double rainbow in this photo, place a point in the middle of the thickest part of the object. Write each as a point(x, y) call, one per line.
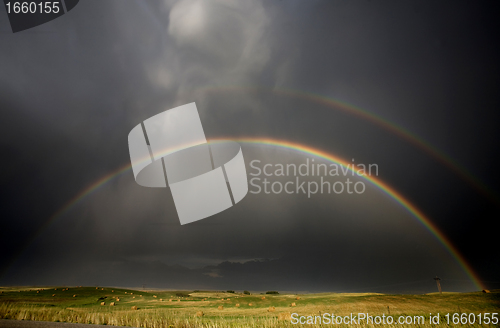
point(377, 120)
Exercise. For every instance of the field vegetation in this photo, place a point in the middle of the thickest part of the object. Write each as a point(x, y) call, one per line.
point(176, 309)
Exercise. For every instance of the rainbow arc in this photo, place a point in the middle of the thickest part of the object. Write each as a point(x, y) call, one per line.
point(301, 148)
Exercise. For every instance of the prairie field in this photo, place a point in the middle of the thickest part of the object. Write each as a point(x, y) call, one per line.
point(176, 309)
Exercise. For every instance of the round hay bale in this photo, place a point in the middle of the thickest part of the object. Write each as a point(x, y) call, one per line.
point(112, 304)
point(161, 299)
point(250, 304)
point(293, 304)
point(170, 300)
point(37, 291)
point(117, 299)
point(133, 296)
point(298, 298)
point(74, 295)
point(53, 295)
point(237, 305)
point(133, 307)
point(103, 303)
point(200, 314)
point(155, 296)
point(263, 298)
point(221, 307)
point(178, 300)
point(112, 291)
point(271, 309)
point(284, 316)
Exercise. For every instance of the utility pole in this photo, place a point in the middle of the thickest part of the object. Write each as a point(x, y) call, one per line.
point(438, 284)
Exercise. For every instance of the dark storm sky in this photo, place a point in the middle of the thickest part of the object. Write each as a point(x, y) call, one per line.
point(72, 89)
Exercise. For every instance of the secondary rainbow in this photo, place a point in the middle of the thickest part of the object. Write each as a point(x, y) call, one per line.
point(391, 192)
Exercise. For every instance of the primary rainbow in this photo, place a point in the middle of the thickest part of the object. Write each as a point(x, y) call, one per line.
point(391, 192)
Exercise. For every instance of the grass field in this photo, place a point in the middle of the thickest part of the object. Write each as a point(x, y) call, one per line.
point(221, 309)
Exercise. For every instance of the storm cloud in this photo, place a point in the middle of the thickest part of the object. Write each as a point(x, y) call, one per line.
point(72, 89)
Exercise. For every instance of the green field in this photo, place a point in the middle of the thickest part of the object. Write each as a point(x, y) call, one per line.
point(139, 308)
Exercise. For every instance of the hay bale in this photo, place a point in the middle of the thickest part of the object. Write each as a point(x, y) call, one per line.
point(284, 316)
point(74, 295)
point(271, 309)
point(112, 291)
point(200, 314)
point(263, 298)
point(53, 295)
point(178, 300)
point(221, 307)
point(133, 307)
point(250, 304)
point(117, 299)
point(133, 296)
point(37, 291)
point(486, 291)
point(103, 303)
point(97, 288)
point(155, 296)
point(170, 300)
point(293, 304)
point(112, 304)
point(161, 299)
point(298, 298)
point(237, 305)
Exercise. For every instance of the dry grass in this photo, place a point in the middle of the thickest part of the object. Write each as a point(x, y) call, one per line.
point(149, 312)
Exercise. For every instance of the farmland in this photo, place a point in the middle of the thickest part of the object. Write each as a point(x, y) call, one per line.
point(152, 308)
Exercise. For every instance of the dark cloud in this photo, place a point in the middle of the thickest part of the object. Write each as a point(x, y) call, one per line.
point(72, 89)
